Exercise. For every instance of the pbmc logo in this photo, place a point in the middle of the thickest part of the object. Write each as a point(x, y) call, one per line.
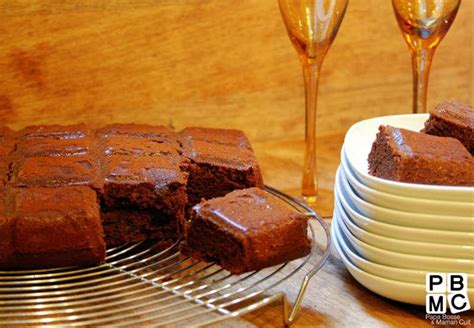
point(446, 289)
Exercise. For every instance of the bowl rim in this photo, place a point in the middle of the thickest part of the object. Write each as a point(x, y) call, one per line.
point(413, 189)
point(442, 222)
point(402, 244)
point(402, 272)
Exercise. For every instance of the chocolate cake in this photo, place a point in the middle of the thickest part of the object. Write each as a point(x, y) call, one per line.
point(407, 156)
point(123, 145)
point(246, 230)
point(4, 131)
point(143, 170)
point(48, 146)
point(6, 250)
point(51, 227)
point(129, 226)
point(145, 183)
point(56, 171)
point(6, 142)
point(123, 183)
point(54, 131)
point(220, 161)
point(6, 148)
point(452, 119)
point(55, 156)
point(160, 134)
point(4, 171)
point(218, 136)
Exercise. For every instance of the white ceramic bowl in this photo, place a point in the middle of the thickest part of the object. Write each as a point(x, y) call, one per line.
point(402, 232)
point(408, 219)
point(384, 271)
point(404, 246)
point(406, 261)
point(406, 204)
point(392, 289)
point(357, 145)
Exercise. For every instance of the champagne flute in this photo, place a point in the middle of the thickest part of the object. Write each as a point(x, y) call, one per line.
point(423, 23)
point(312, 26)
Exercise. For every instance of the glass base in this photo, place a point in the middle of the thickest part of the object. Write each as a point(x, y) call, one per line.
point(310, 200)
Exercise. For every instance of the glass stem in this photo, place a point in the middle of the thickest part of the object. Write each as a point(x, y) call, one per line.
point(310, 181)
point(421, 61)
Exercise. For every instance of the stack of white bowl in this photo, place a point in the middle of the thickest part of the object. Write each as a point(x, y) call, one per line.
point(390, 234)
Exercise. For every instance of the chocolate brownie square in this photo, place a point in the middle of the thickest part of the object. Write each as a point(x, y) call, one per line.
point(6, 149)
point(54, 131)
point(47, 146)
point(141, 182)
point(6, 249)
point(220, 161)
point(130, 226)
point(407, 156)
point(7, 142)
point(160, 134)
point(124, 145)
point(452, 119)
point(4, 171)
point(55, 227)
point(246, 230)
point(4, 131)
point(220, 136)
point(54, 140)
point(57, 171)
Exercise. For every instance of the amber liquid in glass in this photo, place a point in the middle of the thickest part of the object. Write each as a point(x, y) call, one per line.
point(423, 24)
point(312, 26)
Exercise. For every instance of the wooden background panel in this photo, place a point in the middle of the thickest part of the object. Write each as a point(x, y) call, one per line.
point(208, 63)
point(218, 64)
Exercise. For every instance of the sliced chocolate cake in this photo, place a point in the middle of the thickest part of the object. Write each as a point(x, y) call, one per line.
point(452, 119)
point(220, 161)
point(51, 227)
point(407, 156)
point(246, 230)
point(66, 189)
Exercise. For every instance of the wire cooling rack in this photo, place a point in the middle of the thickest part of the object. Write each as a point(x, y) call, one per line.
point(143, 284)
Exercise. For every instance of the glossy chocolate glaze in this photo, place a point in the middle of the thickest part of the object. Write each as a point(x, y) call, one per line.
point(45, 147)
point(456, 112)
point(54, 131)
point(159, 172)
point(254, 229)
point(55, 227)
point(407, 156)
point(159, 133)
point(57, 171)
point(124, 145)
point(452, 119)
point(408, 143)
point(217, 136)
point(219, 154)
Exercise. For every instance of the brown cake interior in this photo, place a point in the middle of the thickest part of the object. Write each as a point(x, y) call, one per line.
point(128, 226)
